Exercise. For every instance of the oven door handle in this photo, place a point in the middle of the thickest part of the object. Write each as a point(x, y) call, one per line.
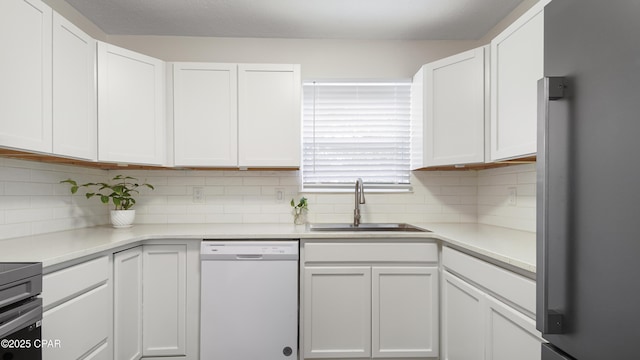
point(17, 318)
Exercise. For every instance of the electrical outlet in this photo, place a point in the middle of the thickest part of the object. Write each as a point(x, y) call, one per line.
point(512, 200)
point(198, 194)
point(279, 194)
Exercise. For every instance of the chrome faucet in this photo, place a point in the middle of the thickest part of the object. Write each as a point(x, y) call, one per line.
point(359, 200)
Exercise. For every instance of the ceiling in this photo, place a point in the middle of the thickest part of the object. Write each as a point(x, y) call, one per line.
point(323, 19)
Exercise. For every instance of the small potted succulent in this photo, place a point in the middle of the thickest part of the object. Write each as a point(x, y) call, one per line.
point(119, 191)
point(300, 211)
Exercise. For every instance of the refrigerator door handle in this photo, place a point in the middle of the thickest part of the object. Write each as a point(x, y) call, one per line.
point(547, 321)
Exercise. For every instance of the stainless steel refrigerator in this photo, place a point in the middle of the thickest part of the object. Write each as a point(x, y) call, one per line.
point(589, 181)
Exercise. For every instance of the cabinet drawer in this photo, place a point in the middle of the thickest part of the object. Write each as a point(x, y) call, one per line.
point(370, 252)
point(80, 324)
point(506, 284)
point(69, 282)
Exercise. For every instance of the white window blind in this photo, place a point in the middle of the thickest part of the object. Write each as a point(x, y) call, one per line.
point(354, 130)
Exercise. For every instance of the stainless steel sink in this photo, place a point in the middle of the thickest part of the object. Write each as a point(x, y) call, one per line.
point(367, 227)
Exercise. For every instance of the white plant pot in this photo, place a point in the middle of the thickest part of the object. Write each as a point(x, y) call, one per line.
point(122, 218)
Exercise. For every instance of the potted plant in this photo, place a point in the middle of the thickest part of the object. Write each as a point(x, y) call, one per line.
point(300, 211)
point(120, 192)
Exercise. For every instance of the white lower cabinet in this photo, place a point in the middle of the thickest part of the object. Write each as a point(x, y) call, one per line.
point(404, 312)
point(164, 300)
point(476, 324)
point(127, 309)
point(154, 308)
point(380, 301)
point(337, 312)
point(510, 334)
point(462, 319)
point(78, 311)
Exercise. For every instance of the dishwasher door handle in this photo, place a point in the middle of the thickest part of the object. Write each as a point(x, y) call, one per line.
point(248, 256)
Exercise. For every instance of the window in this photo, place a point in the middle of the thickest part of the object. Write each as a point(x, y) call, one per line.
point(354, 130)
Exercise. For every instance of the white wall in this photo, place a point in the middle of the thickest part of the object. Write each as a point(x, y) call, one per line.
point(319, 59)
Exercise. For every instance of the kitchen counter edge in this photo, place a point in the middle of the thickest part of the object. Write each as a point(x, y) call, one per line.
point(514, 248)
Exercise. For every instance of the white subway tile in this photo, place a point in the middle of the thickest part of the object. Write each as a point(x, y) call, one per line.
point(186, 180)
point(260, 181)
point(160, 209)
point(224, 199)
point(15, 174)
point(459, 190)
point(223, 218)
point(242, 190)
point(9, 231)
point(291, 181)
point(151, 219)
point(27, 215)
point(528, 177)
point(170, 190)
point(205, 209)
point(186, 218)
point(15, 202)
point(260, 218)
point(27, 188)
point(49, 201)
point(241, 209)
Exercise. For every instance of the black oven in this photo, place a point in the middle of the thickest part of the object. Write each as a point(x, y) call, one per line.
point(20, 311)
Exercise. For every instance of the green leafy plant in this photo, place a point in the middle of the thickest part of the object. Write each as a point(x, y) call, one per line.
point(120, 191)
point(302, 204)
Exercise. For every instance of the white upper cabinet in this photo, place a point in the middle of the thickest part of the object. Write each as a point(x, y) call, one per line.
point(517, 59)
point(131, 107)
point(74, 91)
point(269, 112)
point(448, 111)
point(25, 73)
point(205, 114)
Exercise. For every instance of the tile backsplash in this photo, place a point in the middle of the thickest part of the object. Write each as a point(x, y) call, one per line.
point(32, 201)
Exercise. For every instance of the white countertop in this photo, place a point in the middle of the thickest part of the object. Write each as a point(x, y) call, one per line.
point(513, 247)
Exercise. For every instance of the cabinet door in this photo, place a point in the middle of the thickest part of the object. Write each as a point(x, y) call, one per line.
point(82, 324)
point(25, 70)
point(164, 294)
point(127, 295)
point(75, 117)
point(101, 353)
point(269, 115)
point(454, 109)
point(205, 114)
point(516, 66)
point(510, 334)
point(337, 312)
point(405, 312)
point(462, 320)
point(131, 107)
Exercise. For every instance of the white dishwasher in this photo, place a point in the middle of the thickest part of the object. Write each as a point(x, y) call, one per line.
point(249, 300)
